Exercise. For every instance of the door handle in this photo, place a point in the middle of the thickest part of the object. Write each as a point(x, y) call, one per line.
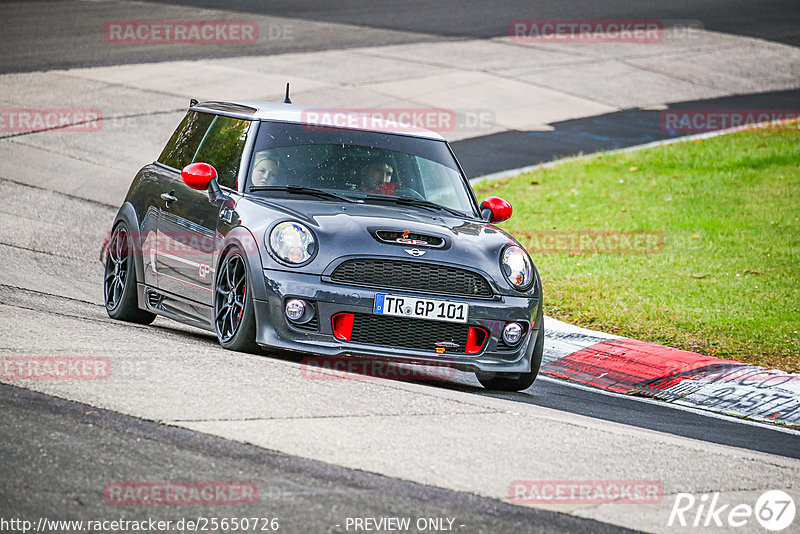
point(169, 197)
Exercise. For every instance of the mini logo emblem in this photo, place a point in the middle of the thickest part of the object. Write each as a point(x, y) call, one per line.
point(415, 252)
point(447, 344)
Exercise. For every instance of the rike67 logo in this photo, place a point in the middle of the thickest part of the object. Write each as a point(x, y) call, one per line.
point(774, 510)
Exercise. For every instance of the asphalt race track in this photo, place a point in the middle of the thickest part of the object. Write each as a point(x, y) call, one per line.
point(36, 29)
point(774, 20)
point(306, 496)
point(33, 33)
point(511, 150)
point(179, 407)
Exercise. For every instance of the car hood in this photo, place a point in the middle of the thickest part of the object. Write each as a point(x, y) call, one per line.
point(347, 230)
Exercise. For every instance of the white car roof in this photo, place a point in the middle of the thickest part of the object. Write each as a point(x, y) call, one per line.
point(383, 121)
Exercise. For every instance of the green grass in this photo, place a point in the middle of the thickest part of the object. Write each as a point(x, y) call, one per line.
point(726, 281)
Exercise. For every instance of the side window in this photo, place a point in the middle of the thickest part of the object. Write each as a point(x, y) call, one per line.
point(182, 146)
point(223, 146)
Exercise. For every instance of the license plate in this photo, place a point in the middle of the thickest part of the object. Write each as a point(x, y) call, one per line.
point(437, 310)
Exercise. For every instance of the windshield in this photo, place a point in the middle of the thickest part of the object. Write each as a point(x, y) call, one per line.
point(358, 164)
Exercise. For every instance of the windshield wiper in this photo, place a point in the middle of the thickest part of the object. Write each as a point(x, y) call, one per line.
point(411, 201)
point(301, 190)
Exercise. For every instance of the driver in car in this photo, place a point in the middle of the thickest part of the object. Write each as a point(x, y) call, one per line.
point(376, 177)
point(266, 170)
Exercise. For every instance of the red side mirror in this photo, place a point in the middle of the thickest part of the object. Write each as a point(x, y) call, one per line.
point(197, 175)
point(496, 209)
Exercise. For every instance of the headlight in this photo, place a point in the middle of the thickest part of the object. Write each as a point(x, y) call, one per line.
point(292, 242)
point(517, 267)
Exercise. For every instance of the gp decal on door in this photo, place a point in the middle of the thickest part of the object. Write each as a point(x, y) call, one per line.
point(203, 269)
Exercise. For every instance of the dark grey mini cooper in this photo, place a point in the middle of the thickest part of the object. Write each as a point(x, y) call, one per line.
point(293, 228)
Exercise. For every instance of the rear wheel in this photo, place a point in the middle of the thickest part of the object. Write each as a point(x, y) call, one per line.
point(234, 319)
point(119, 282)
point(520, 381)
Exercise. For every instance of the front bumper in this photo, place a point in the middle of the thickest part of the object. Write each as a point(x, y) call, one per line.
point(274, 331)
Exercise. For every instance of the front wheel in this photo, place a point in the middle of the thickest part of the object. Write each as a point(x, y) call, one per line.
point(520, 381)
point(234, 318)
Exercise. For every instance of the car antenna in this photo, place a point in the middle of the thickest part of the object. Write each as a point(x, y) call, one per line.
point(286, 99)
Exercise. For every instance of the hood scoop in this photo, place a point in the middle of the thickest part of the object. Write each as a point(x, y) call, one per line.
point(407, 238)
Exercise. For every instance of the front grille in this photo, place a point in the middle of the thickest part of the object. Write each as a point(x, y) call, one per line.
point(412, 276)
point(401, 332)
point(504, 347)
point(310, 326)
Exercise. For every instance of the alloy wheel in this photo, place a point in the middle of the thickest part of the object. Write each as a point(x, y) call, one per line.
point(117, 267)
point(230, 297)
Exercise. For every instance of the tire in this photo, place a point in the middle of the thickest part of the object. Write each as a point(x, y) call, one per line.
point(234, 318)
point(119, 280)
point(519, 381)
